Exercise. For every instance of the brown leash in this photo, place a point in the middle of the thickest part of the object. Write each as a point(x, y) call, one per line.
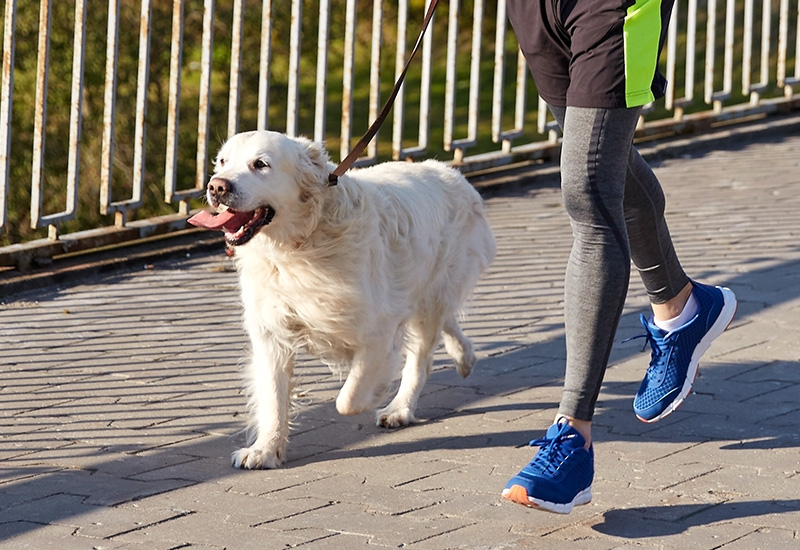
point(359, 148)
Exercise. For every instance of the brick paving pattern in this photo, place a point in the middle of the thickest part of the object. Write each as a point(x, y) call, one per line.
point(121, 399)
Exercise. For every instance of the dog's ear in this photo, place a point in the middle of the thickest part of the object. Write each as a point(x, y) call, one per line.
point(317, 159)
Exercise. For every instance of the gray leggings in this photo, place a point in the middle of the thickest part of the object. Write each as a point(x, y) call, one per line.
point(616, 209)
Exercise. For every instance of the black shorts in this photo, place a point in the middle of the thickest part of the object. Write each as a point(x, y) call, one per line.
point(593, 53)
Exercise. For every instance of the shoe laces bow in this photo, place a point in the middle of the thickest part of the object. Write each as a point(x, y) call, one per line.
point(552, 451)
point(660, 348)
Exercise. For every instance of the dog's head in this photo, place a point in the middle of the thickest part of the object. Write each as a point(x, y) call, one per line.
point(265, 181)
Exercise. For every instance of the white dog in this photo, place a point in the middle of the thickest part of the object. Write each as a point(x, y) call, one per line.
point(354, 273)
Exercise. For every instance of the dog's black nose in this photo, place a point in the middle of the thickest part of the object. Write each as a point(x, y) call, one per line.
point(218, 188)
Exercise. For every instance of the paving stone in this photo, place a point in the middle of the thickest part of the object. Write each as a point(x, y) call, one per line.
point(215, 530)
point(763, 538)
point(745, 481)
point(386, 530)
point(23, 535)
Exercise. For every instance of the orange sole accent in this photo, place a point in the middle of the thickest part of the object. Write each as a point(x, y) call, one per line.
point(518, 494)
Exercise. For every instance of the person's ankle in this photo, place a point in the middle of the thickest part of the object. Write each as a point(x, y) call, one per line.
point(686, 315)
point(672, 308)
point(583, 427)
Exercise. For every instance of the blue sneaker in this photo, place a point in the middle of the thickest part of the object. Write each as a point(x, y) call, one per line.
point(675, 355)
point(560, 475)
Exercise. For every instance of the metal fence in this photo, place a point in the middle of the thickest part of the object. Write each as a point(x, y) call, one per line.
point(318, 68)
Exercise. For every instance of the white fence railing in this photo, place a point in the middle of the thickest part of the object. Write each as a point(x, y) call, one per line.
point(312, 67)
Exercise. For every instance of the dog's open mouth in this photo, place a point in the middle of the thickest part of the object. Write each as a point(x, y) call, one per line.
point(239, 227)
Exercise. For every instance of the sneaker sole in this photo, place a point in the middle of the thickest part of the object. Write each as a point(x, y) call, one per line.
point(519, 495)
point(726, 315)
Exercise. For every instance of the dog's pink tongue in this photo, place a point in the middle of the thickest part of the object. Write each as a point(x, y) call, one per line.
point(228, 219)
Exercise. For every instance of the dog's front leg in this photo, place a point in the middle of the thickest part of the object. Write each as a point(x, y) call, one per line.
point(268, 384)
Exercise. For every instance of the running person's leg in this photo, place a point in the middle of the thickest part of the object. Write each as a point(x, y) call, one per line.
point(613, 223)
point(647, 242)
point(652, 250)
point(594, 162)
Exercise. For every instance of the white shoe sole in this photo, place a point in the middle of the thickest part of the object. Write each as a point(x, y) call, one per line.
point(518, 494)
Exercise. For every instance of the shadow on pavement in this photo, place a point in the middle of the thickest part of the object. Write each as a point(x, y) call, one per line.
point(648, 521)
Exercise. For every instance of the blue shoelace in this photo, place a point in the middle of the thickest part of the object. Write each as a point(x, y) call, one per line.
point(660, 349)
point(551, 452)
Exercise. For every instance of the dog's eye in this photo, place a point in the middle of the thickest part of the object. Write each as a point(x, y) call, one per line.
point(221, 162)
point(260, 164)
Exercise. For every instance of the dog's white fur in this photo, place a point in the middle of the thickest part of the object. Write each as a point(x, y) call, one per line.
point(356, 273)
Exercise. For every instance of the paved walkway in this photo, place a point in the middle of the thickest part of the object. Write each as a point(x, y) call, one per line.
point(121, 403)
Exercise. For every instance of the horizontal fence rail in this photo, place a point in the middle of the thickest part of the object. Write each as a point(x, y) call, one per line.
point(110, 114)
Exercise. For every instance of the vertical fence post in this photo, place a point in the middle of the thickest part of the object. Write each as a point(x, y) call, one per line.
point(40, 111)
point(173, 109)
point(234, 94)
point(205, 94)
point(6, 99)
point(109, 106)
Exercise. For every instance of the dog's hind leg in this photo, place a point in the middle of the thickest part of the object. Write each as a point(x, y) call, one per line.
point(371, 374)
point(458, 346)
point(423, 336)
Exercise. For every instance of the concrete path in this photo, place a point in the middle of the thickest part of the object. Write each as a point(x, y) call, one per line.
point(121, 403)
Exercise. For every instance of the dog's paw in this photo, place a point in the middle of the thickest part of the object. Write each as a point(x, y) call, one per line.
point(465, 363)
point(254, 458)
point(391, 418)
